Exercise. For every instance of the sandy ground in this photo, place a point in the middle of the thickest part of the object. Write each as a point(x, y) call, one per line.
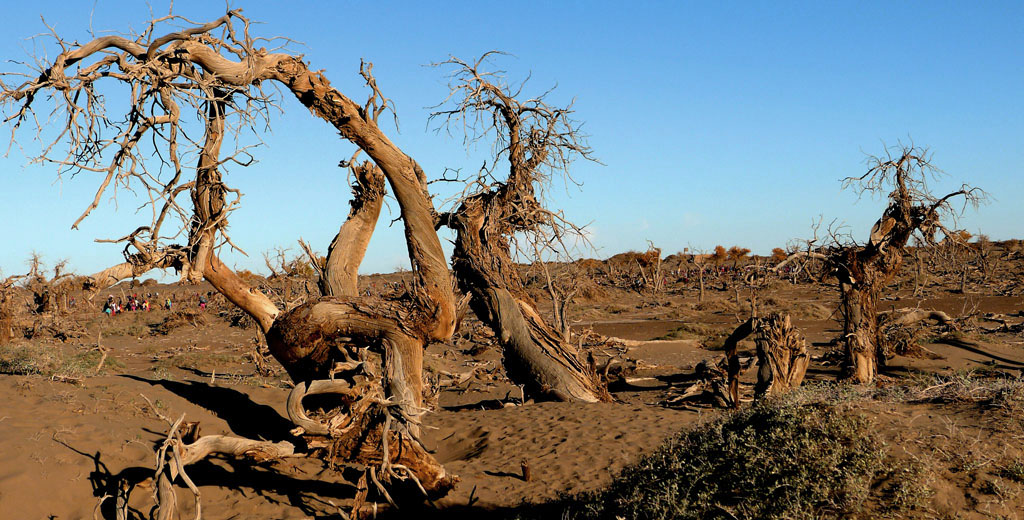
point(64, 446)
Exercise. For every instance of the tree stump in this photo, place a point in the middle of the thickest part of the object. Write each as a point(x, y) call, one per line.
point(781, 356)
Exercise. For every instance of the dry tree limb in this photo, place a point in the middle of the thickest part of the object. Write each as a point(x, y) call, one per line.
point(103, 351)
point(297, 414)
point(99, 505)
point(910, 317)
point(376, 431)
point(712, 385)
point(174, 454)
point(798, 256)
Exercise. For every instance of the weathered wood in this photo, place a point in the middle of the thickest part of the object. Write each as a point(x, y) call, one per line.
point(782, 356)
point(534, 138)
point(341, 270)
point(864, 270)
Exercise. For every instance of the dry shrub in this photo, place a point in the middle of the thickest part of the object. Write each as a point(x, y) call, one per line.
point(590, 291)
point(695, 331)
point(53, 326)
point(719, 255)
point(180, 318)
point(778, 255)
point(250, 277)
point(710, 305)
point(590, 265)
point(905, 341)
point(617, 308)
point(50, 361)
point(632, 258)
point(676, 259)
point(6, 322)
point(236, 317)
point(1013, 246)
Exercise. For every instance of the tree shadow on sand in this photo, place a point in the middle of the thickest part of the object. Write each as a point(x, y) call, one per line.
point(302, 483)
point(244, 417)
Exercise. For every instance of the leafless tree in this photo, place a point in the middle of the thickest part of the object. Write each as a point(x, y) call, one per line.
point(864, 270)
point(562, 281)
point(8, 307)
point(534, 140)
point(221, 75)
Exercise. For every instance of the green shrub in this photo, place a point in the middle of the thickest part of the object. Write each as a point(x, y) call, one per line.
point(777, 459)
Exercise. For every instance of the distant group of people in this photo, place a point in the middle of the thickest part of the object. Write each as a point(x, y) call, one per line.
point(150, 301)
point(133, 303)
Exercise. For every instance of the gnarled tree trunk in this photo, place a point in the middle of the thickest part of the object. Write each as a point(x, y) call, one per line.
point(535, 355)
point(534, 137)
point(340, 276)
point(782, 357)
point(865, 270)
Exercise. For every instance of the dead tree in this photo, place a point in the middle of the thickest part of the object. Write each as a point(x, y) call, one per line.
point(782, 356)
point(535, 140)
point(864, 270)
point(562, 288)
point(49, 293)
point(218, 71)
point(8, 307)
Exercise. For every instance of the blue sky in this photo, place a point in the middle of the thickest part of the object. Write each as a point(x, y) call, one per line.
point(716, 123)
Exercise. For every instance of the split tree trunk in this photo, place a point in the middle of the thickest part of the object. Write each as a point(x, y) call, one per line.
point(782, 356)
point(860, 332)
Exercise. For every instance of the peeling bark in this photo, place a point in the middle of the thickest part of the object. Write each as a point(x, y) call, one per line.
point(532, 136)
point(535, 355)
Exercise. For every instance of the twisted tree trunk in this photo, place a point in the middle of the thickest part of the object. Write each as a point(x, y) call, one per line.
point(340, 275)
point(535, 355)
point(781, 356)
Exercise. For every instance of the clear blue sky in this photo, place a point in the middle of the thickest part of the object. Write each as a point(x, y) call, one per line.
point(717, 123)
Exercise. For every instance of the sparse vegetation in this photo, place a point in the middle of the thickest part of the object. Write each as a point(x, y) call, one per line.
point(787, 458)
point(52, 361)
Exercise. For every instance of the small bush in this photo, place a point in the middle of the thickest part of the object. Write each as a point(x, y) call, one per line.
point(1013, 471)
point(778, 459)
point(717, 306)
point(693, 331)
point(48, 361)
point(179, 318)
